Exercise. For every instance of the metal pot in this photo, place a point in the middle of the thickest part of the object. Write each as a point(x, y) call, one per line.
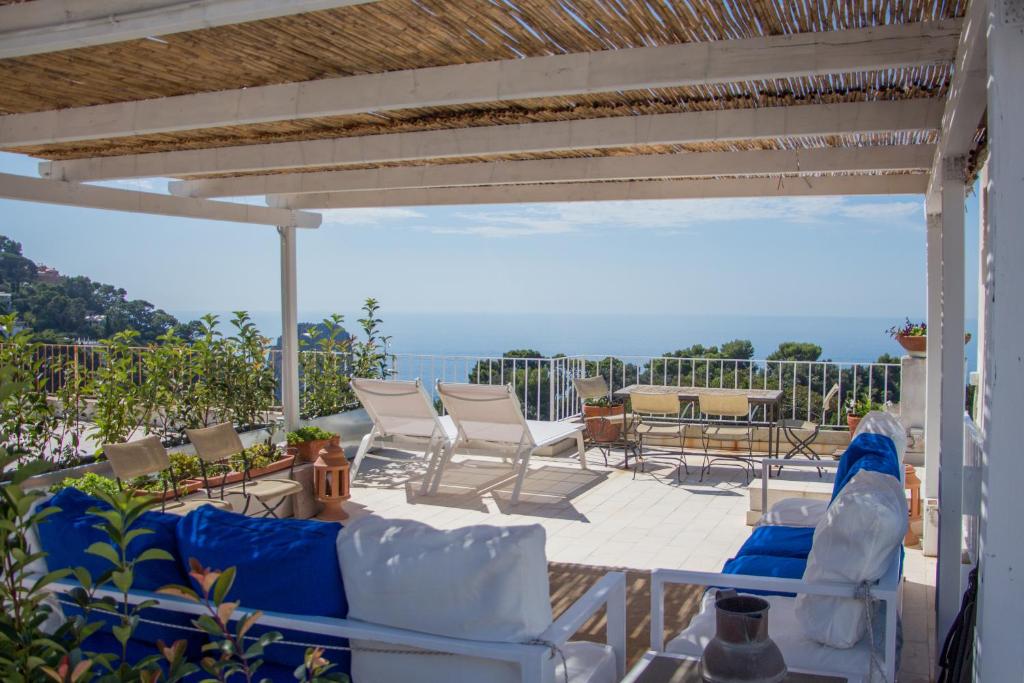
point(741, 651)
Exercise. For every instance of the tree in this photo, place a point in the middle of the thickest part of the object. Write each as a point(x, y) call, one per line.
point(801, 351)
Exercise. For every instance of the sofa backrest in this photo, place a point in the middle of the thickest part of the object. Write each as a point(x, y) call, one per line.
point(867, 451)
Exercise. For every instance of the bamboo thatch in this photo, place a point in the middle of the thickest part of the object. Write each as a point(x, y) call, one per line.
point(403, 34)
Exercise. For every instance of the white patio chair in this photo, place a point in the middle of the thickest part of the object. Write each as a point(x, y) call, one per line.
point(402, 410)
point(491, 415)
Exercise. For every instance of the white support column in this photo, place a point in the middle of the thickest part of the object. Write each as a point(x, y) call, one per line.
point(289, 330)
point(933, 373)
point(951, 380)
point(998, 652)
point(984, 253)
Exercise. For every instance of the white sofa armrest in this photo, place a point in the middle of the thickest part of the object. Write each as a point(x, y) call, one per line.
point(609, 592)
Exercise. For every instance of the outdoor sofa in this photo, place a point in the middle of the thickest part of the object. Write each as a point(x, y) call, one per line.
point(478, 595)
point(835, 588)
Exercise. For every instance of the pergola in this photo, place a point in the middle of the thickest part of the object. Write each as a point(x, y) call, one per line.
point(353, 103)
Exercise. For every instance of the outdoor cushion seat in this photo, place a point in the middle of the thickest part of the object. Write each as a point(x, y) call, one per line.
point(800, 652)
point(779, 541)
point(726, 433)
point(794, 512)
point(766, 565)
point(265, 489)
point(874, 452)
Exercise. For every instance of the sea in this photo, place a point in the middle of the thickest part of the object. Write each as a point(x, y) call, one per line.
point(843, 339)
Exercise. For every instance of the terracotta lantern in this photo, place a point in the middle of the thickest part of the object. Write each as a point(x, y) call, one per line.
point(913, 484)
point(330, 478)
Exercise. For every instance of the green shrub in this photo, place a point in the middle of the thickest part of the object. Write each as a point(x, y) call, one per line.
point(304, 434)
point(90, 483)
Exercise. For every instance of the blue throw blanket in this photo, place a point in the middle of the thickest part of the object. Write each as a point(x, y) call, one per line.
point(874, 452)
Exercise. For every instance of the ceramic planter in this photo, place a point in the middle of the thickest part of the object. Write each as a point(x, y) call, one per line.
point(600, 430)
point(235, 477)
point(309, 450)
point(276, 466)
point(916, 347)
point(184, 488)
point(852, 421)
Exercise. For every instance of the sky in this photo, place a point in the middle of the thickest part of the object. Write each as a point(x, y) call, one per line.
point(805, 256)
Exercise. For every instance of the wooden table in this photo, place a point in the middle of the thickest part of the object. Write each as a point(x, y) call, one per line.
point(668, 668)
point(768, 399)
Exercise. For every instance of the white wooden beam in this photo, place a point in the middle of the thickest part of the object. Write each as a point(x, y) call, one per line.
point(611, 191)
point(688, 64)
point(641, 167)
point(965, 104)
point(40, 26)
point(620, 131)
point(998, 655)
point(94, 197)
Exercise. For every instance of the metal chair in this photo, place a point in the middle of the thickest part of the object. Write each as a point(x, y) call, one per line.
point(594, 389)
point(220, 442)
point(658, 414)
point(733, 424)
point(792, 429)
point(145, 457)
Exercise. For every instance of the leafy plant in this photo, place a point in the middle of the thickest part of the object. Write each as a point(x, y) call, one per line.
point(370, 354)
point(602, 402)
point(90, 482)
point(249, 380)
point(908, 329)
point(324, 364)
point(859, 408)
point(27, 421)
point(311, 433)
point(120, 404)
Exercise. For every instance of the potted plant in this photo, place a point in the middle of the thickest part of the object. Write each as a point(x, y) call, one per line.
point(308, 441)
point(855, 410)
point(913, 337)
point(264, 458)
point(603, 430)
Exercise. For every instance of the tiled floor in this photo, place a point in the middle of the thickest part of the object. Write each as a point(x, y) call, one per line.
point(606, 517)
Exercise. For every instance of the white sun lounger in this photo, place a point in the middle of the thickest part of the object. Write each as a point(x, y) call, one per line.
point(491, 415)
point(402, 410)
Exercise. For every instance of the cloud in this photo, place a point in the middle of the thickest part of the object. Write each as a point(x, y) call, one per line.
point(362, 217)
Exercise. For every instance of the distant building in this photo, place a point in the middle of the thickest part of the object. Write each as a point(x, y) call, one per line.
point(47, 274)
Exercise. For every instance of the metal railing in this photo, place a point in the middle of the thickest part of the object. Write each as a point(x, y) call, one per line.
point(545, 389)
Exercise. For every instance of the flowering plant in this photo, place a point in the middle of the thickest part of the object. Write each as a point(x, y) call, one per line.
point(908, 329)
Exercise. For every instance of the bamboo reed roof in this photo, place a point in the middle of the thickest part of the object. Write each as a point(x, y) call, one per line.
point(403, 34)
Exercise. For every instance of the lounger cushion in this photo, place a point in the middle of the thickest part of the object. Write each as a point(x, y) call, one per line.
point(806, 512)
point(481, 582)
point(765, 565)
point(855, 542)
point(779, 541)
point(283, 565)
point(799, 651)
point(872, 452)
point(881, 422)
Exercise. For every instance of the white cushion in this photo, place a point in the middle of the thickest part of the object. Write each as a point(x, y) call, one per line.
point(480, 582)
point(799, 651)
point(805, 512)
point(879, 422)
point(854, 542)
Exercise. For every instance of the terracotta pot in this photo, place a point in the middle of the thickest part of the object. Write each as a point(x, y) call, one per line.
point(600, 430)
point(917, 347)
point(309, 450)
point(276, 466)
point(852, 421)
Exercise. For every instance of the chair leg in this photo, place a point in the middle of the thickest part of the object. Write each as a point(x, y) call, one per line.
point(446, 453)
point(581, 449)
point(524, 466)
point(364, 446)
point(434, 449)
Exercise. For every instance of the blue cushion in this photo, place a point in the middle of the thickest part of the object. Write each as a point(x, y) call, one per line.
point(764, 565)
point(283, 565)
point(779, 541)
point(874, 452)
point(66, 534)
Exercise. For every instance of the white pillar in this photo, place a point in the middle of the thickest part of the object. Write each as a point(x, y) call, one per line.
point(950, 351)
point(289, 330)
point(999, 654)
point(933, 374)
